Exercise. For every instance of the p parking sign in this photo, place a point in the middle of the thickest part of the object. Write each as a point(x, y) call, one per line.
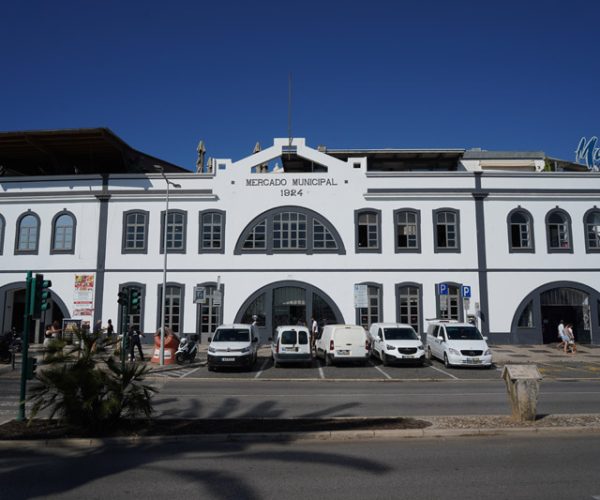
point(442, 288)
point(466, 291)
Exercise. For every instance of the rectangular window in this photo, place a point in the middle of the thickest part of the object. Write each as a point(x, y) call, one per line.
point(289, 231)
point(173, 308)
point(368, 237)
point(372, 313)
point(407, 230)
point(176, 228)
point(212, 231)
point(409, 312)
point(446, 231)
point(135, 232)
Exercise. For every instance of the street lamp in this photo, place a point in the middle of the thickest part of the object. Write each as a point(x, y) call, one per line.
point(164, 287)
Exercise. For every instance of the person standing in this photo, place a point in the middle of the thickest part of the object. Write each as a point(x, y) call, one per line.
point(135, 340)
point(110, 329)
point(314, 330)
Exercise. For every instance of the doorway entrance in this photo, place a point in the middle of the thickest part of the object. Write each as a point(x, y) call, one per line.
point(570, 305)
point(288, 303)
point(537, 317)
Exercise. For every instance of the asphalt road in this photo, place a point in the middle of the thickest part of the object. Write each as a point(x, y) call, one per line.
point(520, 467)
point(192, 398)
point(242, 394)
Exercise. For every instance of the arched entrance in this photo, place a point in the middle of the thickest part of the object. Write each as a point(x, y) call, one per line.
point(12, 308)
point(537, 317)
point(288, 303)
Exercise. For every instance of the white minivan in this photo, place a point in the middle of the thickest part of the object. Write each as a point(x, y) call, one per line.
point(343, 343)
point(232, 345)
point(291, 344)
point(457, 344)
point(396, 342)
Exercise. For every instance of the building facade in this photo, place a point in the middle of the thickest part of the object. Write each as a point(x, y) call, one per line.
point(292, 232)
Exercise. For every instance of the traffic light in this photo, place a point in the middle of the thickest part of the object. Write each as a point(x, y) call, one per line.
point(31, 368)
point(124, 297)
point(135, 301)
point(41, 295)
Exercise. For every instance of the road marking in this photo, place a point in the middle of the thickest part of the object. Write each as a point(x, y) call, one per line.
point(321, 372)
point(444, 372)
point(380, 370)
point(258, 374)
point(191, 371)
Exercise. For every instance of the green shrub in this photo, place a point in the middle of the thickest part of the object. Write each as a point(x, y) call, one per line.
point(86, 388)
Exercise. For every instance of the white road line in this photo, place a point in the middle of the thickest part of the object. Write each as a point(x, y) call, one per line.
point(444, 372)
point(259, 373)
point(191, 371)
point(380, 370)
point(321, 372)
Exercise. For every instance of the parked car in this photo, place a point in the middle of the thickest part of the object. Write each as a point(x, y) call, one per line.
point(291, 344)
point(396, 342)
point(457, 344)
point(232, 345)
point(343, 343)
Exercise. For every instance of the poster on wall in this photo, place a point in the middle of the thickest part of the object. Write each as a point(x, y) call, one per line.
point(83, 298)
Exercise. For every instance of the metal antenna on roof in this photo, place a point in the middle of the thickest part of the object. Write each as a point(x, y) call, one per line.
point(290, 108)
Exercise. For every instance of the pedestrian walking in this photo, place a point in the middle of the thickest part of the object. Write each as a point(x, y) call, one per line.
point(135, 340)
point(562, 336)
point(571, 347)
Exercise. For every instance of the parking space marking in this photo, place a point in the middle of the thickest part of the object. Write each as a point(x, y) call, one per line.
point(444, 372)
point(191, 371)
point(321, 372)
point(389, 377)
point(258, 374)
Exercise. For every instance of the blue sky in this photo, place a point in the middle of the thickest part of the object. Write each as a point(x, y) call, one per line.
point(379, 74)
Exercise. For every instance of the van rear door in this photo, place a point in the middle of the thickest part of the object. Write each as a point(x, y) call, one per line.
point(350, 340)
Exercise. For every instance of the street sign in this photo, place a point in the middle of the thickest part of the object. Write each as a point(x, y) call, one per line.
point(361, 296)
point(442, 289)
point(199, 294)
point(466, 291)
point(217, 298)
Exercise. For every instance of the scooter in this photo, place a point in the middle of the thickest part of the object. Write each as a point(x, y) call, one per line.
point(187, 350)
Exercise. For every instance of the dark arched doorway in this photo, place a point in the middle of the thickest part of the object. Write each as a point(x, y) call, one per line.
point(12, 308)
point(288, 303)
point(537, 317)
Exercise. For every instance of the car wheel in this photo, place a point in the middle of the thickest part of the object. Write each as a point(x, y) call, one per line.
point(276, 364)
point(210, 368)
point(446, 362)
point(327, 359)
point(429, 353)
point(179, 358)
point(384, 359)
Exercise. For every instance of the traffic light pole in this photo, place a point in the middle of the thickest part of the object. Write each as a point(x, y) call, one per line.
point(29, 292)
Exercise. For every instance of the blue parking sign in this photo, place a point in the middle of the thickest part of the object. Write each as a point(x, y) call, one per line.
point(466, 291)
point(442, 289)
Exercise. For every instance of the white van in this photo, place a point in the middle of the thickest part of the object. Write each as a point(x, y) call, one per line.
point(396, 342)
point(291, 344)
point(343, 343)
point(457, 344)
point(232, 345)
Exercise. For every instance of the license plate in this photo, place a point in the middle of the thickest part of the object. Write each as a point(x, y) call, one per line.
point(344, 352)
point(407, 356)
point(473, 360)
point(225, 360)
point(290, 349)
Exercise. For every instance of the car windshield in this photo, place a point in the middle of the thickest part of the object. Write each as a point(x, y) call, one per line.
point(232, 335)
point(400, 334)
point(463, 333)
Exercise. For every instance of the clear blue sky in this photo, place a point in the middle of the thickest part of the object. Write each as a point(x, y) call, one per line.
point(162, 75)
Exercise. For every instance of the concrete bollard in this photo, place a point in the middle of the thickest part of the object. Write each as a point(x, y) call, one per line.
point(523, 386)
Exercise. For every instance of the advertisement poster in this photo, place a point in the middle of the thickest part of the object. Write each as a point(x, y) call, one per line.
point(83, 297)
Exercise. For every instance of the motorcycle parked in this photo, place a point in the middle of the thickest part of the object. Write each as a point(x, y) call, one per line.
point(187, 351)
point(7, 347)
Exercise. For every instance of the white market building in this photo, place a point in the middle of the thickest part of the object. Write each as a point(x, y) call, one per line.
point(290, 231)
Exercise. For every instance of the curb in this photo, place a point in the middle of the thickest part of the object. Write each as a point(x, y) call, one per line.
point(426, 433)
